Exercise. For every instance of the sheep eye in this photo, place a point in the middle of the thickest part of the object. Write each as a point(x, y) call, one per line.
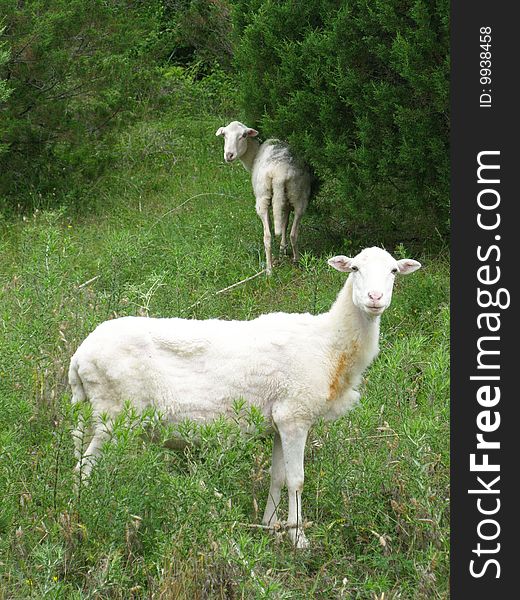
point(354, 268)
point(394, 271)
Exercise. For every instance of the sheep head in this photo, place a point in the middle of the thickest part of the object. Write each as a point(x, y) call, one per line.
point(373, 274)
point(235, 139)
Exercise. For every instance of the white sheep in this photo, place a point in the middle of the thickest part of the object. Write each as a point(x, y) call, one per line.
point(278, 179)
point(295, 368)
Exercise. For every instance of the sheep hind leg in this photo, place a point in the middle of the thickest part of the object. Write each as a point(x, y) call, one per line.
point(264, 216)
point(298, 191)
point(280, 213)
point(294, 235)
point(82, 436)
point(101, 432)
point(277, 483)
point(285, 223)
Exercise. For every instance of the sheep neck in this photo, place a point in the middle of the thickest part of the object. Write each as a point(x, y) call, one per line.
point(351, 324)
point(248, 158)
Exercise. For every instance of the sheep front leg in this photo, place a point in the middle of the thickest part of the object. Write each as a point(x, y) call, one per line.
point(264, 216)
point(277, 482)
point(293, 444)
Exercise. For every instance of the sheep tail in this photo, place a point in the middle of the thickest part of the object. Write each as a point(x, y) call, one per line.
point(78, 393)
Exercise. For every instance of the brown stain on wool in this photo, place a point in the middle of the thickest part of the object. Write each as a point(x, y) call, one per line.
point(340, 374)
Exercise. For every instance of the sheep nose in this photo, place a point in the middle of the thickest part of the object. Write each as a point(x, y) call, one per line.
point(375, 295)
point(230, 156)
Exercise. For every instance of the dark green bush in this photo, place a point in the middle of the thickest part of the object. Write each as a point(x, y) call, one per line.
point(197, 31)
point(4, 88)
point(75, 70)
point(360, 89)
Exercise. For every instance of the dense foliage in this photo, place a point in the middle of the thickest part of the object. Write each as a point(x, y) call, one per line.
point(361, 90)
point(75, 69)
point(4, 88)
point(197, 31)
point(4, 57)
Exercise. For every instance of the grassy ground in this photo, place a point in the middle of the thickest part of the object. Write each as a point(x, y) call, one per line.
point(161, 234)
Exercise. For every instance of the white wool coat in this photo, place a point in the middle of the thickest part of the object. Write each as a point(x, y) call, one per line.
point(293, 367)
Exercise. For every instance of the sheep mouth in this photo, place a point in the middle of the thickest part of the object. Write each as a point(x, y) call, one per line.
point(375, 309)
point(230, 160)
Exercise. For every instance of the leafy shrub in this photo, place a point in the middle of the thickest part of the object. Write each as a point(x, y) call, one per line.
point(360, 89)
point(198, 31)
point(211, 91)
point(75, 71)
point(4, 88)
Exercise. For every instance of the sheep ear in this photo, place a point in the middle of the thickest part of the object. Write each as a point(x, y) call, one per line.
point(252, 133)
point(341, 263)
point(220, 131)
point(407, 266)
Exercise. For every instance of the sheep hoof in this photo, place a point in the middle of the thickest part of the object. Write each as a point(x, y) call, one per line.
point(301, 542)
point(275, 527)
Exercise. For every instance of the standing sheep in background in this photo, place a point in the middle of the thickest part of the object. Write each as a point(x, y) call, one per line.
point(294, 367)
point(278, 178)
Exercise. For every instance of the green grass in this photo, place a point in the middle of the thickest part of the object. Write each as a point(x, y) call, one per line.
point(165, 230)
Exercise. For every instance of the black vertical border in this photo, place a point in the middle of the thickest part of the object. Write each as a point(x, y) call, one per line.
point(475, 129)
